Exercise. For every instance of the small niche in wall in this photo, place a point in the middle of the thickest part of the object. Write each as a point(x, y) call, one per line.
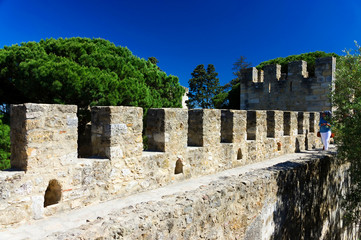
point(178, 167)
point(239, 154)
point(279, 146)
point(52, 193)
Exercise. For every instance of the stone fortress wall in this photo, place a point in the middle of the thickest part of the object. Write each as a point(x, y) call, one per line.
point(182, 144)
point(297, 198)
point(269, 89)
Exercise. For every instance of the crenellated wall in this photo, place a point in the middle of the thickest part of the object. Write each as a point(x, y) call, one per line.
point(48, 177)
point(269, 89)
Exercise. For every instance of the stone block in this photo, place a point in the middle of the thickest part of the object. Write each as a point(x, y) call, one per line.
point(326, 85)
point(37, 207)
point(254, 101)
point(13, 215)
point(40, 128)
point(313, 98)
point(116, 132)
point(167, 130)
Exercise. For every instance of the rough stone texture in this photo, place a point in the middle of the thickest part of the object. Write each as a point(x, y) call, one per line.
point(167, 130)
point(47, 136)
point(204, 127)
point(117, 132)
point(44, 143)
point(297, 91)
point(298, 199)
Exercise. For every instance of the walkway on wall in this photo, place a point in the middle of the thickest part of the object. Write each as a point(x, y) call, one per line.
point(69, 220)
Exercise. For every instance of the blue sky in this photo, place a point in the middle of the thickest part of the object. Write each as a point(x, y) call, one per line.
point(183, 34)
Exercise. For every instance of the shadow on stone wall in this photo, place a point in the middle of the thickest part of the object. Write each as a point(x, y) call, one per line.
point(309, 198)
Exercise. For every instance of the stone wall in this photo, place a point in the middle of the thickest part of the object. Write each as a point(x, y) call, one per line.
point(48, 177)
point(297, 199)
point(269, 89)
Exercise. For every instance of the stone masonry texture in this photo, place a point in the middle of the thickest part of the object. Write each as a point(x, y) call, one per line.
point(48, 177)
point(298, 199)
point(269, 89)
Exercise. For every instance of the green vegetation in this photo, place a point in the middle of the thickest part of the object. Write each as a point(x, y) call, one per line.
point(203, 87)
point(85, 72)
point(238, 67)
point(229, 98)
point(347, 120)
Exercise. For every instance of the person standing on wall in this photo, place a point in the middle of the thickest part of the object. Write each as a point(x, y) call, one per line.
point(325, 129)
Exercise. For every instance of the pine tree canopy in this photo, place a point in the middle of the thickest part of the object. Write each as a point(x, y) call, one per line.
point(85, 72)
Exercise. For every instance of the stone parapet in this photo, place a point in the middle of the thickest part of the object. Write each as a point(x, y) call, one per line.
point(48, 177)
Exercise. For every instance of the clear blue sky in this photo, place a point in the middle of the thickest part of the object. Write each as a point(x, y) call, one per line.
point(183, 34)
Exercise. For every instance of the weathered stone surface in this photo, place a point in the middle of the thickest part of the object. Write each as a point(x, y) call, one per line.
point(186, 144)
point(117, 132)
point(291, 200)
point(37, 136)
point(295, 91)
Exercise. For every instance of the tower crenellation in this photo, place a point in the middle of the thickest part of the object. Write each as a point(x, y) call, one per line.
point(296, 90)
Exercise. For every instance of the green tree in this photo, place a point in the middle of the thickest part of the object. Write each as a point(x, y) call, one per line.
point(240, 65)
point(85, 72)
point(347, 116)
point(153, 60)
point(203, 86)
point(228, 98)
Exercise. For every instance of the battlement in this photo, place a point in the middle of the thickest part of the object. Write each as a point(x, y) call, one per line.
point(48, 177)
point(269, 88)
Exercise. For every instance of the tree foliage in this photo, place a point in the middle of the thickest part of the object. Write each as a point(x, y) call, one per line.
point(203, 87)
point(229, 98)
point(85, 72)
point(240, 65)
point(347, 116)
point(153, 60)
